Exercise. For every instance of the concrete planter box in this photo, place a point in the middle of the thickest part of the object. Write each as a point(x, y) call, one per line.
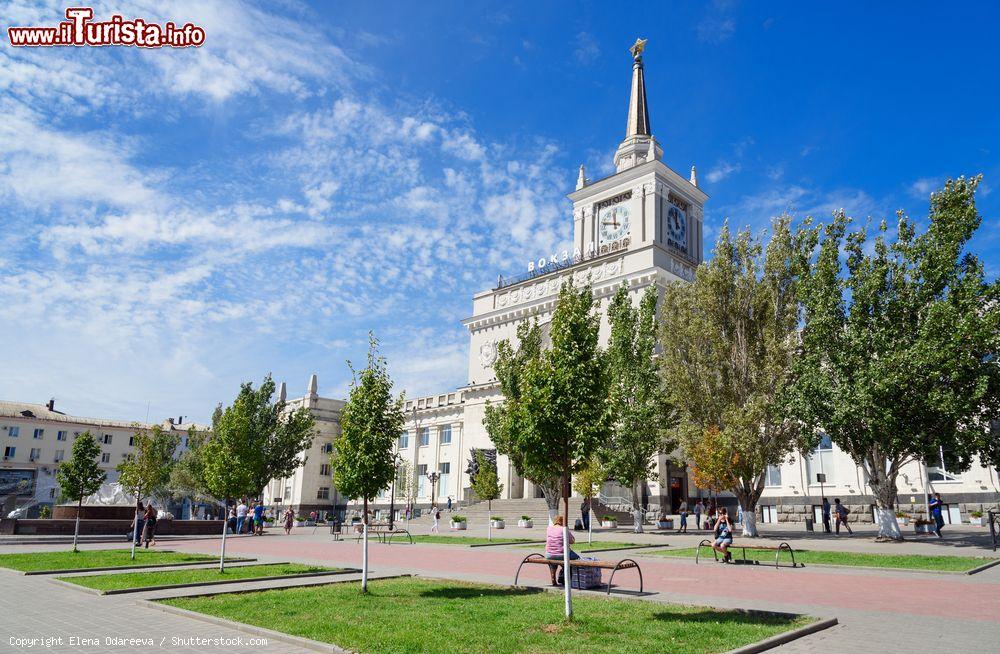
point(459, 526)
point(609, 524)
point(497, 524)
point(923, 529)
point(665, 524)
point(976, 522)
point(526, 524)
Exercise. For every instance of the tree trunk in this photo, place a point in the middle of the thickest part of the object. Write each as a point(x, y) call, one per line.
point(749, 507)
point(76, 528)
point(551, 500)
point(567, 574)
point(364, 549)
point(882, 480)
point(225, 528)
point(637, 516)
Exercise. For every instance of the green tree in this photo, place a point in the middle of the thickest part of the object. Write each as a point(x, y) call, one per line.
point(81, 475)
point(486, 485)
point(187, 476)
point(563, 393)
point(641, 414)
point(370, 423)
point(147, 471)
point(728, 345)
point(899, 343)
point(506, 422)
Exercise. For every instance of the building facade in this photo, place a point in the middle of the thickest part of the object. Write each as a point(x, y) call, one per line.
point(36, 438)
point(640, 227)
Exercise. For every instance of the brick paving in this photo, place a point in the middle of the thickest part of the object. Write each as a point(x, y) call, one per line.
point(877, 609)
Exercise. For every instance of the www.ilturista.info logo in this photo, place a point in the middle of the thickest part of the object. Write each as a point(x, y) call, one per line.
point(78, 30)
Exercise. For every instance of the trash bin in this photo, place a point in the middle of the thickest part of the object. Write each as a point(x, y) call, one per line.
point(809, 524)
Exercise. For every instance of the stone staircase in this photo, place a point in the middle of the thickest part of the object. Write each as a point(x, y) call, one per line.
point(511, 511)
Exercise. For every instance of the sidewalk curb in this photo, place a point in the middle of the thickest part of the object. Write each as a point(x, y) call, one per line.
point(220, 582)
point(787, 637)
point(985, 566)
point(238, 591)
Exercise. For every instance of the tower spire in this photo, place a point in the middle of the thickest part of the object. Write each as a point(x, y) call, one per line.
point(638, 111)
point(638, 146)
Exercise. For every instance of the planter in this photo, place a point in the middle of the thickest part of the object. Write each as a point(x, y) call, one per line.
point(665, 524)
point(527, 524)
point(976, 522)
point(903, 520)
point(305, 523)
point(609, 524)
point(459, 526)
point(497, 524)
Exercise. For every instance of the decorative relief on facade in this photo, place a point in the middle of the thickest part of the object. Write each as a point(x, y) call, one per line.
point(605, 270)
point(488, 353)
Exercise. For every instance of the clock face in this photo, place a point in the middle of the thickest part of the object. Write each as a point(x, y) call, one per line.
point(677, 226)
point(614, 222)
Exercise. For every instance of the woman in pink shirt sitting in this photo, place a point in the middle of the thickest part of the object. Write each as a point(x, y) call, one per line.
point(554, 545)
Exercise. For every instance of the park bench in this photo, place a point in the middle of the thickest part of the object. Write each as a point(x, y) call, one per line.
point(384, 534)
point(613, 566)
point(760, 548)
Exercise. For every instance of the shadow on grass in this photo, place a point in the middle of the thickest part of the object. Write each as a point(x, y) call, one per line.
point(729, 616)
point(463, 592)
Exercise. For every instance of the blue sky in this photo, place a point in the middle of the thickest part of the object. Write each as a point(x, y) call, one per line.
point(175, 222)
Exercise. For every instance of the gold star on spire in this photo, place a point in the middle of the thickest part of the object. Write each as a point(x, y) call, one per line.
point(636, 50)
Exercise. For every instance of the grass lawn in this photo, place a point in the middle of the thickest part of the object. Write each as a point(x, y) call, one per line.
point(458, 540)
point(69, 560)
point(431, 615)
point(120, 580)
point(853, 559)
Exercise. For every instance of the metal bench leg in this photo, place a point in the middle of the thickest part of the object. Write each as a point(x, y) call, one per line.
point(618, 567)
point(523, 561)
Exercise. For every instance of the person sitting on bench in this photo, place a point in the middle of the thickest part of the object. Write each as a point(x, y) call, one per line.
point(723, 535)
point(554, 545)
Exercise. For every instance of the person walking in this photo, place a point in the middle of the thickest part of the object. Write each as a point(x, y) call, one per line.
point(149, 531)
point(826, 515)
point(684, 518)
point(723, 536)
point(231, 520)
point(449, 504)
point(842, 512)
point(699, 508)
point(436, 514)
point(936, 505)
point(289, 520)
point(585, 512)
point(554, 545)
point(241, 516)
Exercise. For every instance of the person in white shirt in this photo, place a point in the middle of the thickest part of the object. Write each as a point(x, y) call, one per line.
point(436, 514)
point(241, 516)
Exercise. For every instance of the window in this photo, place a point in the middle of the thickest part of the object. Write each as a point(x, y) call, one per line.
point(773, 476)
point(323, 493)
point(107, 439)
point(404, 440)
point(36, 453)
point(820, 461)
point(39, 433)
point(328, 448)
point(938, 467)
point(445, 470)
point(52, 493)
point(288, 493)
point(425, 436)
point(14, 432)
point(61, 435)
point(768, 513)
point(127, 456)
point(446, 435)
point(131, 441)
point(106, 457)
point(324, 469)
point(8, 452)
point(60, 455)
point(422, 480)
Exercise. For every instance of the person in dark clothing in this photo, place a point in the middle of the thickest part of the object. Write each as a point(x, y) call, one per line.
point(585, 511)
point(936, 505)
point(149, 531)
point(826, 515)
point(842, 513)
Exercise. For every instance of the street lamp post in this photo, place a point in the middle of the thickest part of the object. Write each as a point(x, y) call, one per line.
point(433, 477)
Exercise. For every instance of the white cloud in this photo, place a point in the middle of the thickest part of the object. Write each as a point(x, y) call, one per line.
point(585, 48)
point(722, 170)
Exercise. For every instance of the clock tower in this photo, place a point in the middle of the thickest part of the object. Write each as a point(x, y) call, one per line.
point(644, 204)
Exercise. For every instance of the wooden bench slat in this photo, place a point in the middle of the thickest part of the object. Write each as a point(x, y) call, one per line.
point(577, 563)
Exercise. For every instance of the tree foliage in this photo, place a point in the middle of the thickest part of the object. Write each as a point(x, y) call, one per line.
point(81, 475)
point(728, 345)
point(589, 479)
point(640, 411)
point(899, 343)
point(147, 472)
point(486, 483)
point(187, 476)
point(713, 461)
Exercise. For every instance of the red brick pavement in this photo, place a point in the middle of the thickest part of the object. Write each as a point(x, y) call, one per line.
point(924, 594)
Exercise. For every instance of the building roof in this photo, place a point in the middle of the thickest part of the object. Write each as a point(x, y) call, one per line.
point(41, 412)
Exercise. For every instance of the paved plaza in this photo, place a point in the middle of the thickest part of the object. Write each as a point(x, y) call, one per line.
point(877, 609)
